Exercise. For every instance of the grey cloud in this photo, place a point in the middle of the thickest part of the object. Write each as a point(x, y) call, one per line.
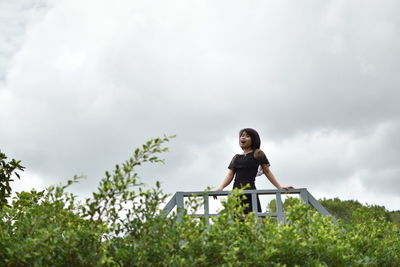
point(14, 18)
point(81, 93)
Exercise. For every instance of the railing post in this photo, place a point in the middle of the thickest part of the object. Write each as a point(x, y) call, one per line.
point(319, 207)
point(279, 208)
point(179, 205)
point(304, 195)
point(254, 204)
point(316, 205)
point(170, 205)
point(206, 209)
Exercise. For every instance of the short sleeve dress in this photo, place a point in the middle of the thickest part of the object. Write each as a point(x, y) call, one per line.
point(245, 168)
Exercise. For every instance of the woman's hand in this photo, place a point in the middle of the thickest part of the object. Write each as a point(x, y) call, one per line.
point(218, 189)
point(226, 182)
point(286, 187)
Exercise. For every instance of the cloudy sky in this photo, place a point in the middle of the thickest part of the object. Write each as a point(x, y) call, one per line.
point(82, 83)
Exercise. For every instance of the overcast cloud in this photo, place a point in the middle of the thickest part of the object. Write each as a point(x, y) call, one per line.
point(82, 83)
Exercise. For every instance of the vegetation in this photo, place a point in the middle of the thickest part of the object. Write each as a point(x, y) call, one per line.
point(7, 170)
point(121, 225)
point(346, 210)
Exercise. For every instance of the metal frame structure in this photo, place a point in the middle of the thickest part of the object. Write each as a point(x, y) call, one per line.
point(178, 201)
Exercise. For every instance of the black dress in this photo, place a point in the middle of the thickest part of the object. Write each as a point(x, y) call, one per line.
point(245, 168)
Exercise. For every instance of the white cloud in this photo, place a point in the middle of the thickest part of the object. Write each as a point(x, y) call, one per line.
point(28, 181)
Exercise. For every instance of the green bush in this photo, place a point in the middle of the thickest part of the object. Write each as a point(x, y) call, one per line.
point(121, 225)
point(345, 209)
point(7, 170)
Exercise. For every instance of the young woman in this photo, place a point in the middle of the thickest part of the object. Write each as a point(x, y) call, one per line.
point(244, 167)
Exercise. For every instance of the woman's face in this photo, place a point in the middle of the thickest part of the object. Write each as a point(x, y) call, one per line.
point(245, 140)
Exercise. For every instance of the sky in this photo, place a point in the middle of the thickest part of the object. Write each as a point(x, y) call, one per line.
point(83, 83)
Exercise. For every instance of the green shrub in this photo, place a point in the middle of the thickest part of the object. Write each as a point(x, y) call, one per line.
point(7, 170)
point(344, 209)
point(121, 225)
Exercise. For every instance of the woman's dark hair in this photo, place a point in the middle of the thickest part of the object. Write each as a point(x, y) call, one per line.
point(255, 138)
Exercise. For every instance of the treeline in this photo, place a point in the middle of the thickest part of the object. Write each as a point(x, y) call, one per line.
point(345, 210)
point(121, 225)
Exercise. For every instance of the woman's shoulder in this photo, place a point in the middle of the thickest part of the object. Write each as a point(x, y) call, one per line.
point(259, 154)
point(235, 156)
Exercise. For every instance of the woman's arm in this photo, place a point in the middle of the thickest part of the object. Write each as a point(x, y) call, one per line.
point(227, 180)
point(272, 178)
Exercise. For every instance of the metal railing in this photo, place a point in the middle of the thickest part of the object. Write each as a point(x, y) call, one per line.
point(178, 201)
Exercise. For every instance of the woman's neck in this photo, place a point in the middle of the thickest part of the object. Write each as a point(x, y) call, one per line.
point(247, 151)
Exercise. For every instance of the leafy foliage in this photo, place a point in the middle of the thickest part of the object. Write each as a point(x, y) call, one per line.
point(7, 170)
point(121, 225)
point(395, 216)
point(347, 209)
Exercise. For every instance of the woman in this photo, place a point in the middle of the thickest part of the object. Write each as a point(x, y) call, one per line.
point(244, 167)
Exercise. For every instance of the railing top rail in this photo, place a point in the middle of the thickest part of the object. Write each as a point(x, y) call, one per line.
point(259, 192)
